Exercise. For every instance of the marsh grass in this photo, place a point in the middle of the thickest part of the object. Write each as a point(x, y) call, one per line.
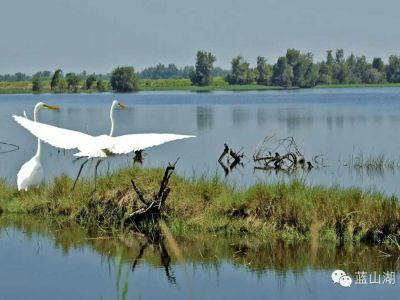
point(373, 162)
point(293, 212)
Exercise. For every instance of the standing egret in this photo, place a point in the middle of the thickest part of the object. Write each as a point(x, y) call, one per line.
point(31, 172)
point(101, 146)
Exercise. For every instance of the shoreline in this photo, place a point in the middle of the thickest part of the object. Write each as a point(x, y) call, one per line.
point(190, 88)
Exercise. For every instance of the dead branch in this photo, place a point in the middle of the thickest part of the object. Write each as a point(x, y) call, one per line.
point(225, 152)
point(279, 154)
point(230, 154)
point(139, 193)
point(152, 209)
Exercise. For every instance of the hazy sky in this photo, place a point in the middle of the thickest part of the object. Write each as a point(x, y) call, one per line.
point(97, 35)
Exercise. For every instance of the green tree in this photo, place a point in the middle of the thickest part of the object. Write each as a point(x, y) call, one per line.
point(341, 73)
point(124, 79)
point(90, 80)
point(339, 56)
point(292, 56)
point(282, 73)
point(263, 71)
point(305, 73)
point(204, 66)
point(61, 84)
point(73, 81)
point(378, 64)
point(374, 76)
point(360, 70)
point(351, 61)
point(55, 79)
point(324, 73)
point(329, 58)
point(37, 84)
point(241, 72)
point(393, 69)
point(101, 85)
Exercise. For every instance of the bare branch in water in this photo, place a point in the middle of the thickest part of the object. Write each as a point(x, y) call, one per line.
point(280, 154)
point(14, 147)
point(230, 154)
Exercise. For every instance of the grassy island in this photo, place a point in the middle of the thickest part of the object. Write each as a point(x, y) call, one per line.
point(283, 211)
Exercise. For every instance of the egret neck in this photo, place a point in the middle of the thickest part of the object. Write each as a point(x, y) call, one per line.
point(112, 118)
point(39, 146)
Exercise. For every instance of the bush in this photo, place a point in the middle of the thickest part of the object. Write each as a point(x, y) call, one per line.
point(102, 85)
point(37, 84)
point(124, 79)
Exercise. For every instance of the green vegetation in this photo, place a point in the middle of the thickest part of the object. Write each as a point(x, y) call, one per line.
point(291, 212)
point(90, 81)
point(55, 80)
point(73, 81)
point(263, 71)
point(241, 72)
point(37, 85)
point(294, 69)
point(282, 73)
point(373, 162)
point(201, 76)
point(124, 79)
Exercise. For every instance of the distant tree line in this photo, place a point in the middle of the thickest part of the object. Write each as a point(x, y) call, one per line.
point(294, 69)
point(297, 69)
point(71, 82)
point(171, 71)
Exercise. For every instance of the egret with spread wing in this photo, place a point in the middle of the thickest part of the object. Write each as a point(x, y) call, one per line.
point(96, 146)
point(31, 172)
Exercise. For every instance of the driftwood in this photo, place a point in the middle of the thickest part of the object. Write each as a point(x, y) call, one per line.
point(233, 159)
point(152, 209)
point(279, 154)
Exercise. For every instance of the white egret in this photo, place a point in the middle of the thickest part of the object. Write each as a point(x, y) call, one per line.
point(31, 172)
point(101, 146)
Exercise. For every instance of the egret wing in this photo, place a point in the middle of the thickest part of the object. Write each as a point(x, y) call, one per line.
point(55, 136)
point(131, 142)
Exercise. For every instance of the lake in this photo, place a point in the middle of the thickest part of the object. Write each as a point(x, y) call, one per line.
point(40, 261)
point(337, 123)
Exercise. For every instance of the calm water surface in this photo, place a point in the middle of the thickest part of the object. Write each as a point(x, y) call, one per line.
point(38, 262)
point(42, 263)
point(337, 123)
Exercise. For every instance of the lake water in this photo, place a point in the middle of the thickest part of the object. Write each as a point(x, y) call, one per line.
point(42, 263)
point(39, 262)
point(337, 123)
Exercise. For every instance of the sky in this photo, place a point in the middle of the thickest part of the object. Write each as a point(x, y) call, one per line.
point(98, 35)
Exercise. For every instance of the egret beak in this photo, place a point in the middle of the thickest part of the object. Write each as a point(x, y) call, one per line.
point(123, 106)
point(52, 107)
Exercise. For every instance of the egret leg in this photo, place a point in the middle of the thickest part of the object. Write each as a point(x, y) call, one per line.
point(79, 173)
point(95, 173)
